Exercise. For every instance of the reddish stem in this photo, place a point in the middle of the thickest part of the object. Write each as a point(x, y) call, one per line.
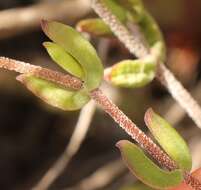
point(130, 128)
point(64, 80)
point(107, 105)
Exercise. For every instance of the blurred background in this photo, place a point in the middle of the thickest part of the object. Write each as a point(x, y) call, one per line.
point(34, 135)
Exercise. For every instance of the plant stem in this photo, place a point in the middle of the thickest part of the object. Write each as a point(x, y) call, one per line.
point(108, 106)
point(139, 48)
point(131, 129)
point(61, 79)
point(179, 93)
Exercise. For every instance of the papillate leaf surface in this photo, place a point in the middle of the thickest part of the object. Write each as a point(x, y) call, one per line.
point(54, 95)
point(126, 73)
point(79, 48)
point(116, 9)
point(145, 170)
point(63, 59)
point(95, 27)
point(132, 73)
point(169, 139)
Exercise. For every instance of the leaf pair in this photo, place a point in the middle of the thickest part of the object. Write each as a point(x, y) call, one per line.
point(131, 73)
point(75, 55)
point(172, 143)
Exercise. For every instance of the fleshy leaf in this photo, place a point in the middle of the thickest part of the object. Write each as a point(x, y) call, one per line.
point(134, 12)
point(137, 186)
point(65, 60)
point(169, 139)
point(78, 47)
point(53, 94)
point(116, 9)
point(132, 73)
point(95, 27)
point(137, 13)
point(145, 170)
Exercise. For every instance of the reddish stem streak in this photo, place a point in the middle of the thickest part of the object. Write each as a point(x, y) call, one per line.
point(108, 106)
point(64, 80)
point(130, 128)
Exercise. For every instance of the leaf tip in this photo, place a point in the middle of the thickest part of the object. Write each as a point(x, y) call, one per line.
point(79, 26)
point(44, 24)
point(121, 143)
point(21, 78)
point(148, 116)
point(46, 44)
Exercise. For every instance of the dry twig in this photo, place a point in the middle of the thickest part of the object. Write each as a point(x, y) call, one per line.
point(101, 177)
point(18, 20)
point(175, 113)
point(72, 148)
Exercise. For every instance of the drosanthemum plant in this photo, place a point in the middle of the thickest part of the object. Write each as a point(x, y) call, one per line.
point(165, 165)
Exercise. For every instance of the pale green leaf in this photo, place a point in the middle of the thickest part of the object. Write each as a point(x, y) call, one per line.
point(132, 73)
point(116, 9)
point(137, 73)
point(63, 59)
point(95, 27)
point(134, 7)
point(169, 139)
point(79, 48)
point(147, 24)
point(53, 94)
point(137, 186)
point(145, 169)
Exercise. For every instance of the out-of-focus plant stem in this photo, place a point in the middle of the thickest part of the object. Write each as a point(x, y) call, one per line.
point(139, 48)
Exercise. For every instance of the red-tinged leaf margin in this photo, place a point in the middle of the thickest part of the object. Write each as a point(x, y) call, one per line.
point(145, 169)
point(169, 139)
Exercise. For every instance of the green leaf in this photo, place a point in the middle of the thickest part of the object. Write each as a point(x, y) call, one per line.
point(147, 23)
point(116, 9)
point(169, 139)
point(132, 73)
point(95, 27)
point(79, 48)
point(145, 170)
point(137, 73)
point(55, 95)
point(65, 60)
point(135, 7)
point(137, 186)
